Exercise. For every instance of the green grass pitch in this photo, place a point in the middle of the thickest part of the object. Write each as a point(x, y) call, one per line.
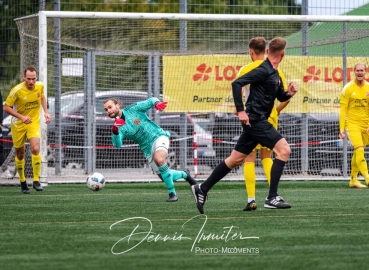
point(130, 226)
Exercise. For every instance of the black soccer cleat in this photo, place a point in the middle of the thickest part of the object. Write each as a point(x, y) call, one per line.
point(189, 178)
point(200, 197)
point(251, 206)
point(24, 188)
point(172, 197)
point(276, 202)
point(37, 186)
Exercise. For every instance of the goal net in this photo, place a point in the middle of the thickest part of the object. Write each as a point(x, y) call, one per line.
point(190, 61)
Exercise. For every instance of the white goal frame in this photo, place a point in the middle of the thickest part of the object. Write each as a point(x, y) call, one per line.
point(44, 15)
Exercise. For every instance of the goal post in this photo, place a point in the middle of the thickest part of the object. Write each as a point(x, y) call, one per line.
point(133, 56)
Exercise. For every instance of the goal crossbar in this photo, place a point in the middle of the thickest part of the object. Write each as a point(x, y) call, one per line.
point(206, 38)
point(204, 17)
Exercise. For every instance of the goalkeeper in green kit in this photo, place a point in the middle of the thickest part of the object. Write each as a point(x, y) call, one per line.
point(133, 123)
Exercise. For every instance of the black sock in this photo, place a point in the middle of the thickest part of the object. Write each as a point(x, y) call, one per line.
point(219, 172)
point(275, 176)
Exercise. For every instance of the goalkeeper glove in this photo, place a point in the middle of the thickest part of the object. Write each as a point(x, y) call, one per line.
point(115, 128)
point(160, 105)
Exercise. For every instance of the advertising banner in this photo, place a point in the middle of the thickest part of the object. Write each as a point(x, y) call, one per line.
point(202, 83)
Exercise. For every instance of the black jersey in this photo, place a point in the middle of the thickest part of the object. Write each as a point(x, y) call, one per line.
point(265, 87)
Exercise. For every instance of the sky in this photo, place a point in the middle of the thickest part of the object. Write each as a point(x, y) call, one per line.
point(332, 7)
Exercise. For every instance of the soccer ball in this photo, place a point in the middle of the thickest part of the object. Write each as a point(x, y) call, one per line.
point(95, 181)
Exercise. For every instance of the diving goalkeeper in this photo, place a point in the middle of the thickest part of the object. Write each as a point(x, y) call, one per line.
point(133, 123)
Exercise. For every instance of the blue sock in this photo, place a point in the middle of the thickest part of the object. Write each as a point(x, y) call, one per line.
point(166, 174)
point(178, 175)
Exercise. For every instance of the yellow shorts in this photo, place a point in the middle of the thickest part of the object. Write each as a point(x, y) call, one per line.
point(358, 136)
point(273, 119)
point(21, 133)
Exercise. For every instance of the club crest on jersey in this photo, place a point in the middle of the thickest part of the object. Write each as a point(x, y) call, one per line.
point(38, 95)
point(367, 94)
point(137, 121)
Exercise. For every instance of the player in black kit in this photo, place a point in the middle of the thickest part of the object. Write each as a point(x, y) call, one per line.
point(265, 87)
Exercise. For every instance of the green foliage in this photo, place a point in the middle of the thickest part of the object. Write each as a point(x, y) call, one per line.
point(145, 39)
point(9, 39)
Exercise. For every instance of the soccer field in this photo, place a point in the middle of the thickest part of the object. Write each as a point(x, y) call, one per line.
point(130, 226)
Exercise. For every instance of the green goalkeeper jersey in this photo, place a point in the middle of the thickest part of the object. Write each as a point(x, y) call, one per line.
point(139, 127)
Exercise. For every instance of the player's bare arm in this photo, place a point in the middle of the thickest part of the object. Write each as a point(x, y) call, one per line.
point(46, 112)
point(292, 89)
point(12, 112)
point(243, 117)
point(281, 106)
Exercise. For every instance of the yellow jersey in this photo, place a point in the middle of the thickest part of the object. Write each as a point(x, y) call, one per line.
point(26, 102)
point(354, 102)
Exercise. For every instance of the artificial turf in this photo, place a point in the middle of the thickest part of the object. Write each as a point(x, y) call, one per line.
point(130, 226)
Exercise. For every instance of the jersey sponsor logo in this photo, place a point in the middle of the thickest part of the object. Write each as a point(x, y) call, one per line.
point(31, 105)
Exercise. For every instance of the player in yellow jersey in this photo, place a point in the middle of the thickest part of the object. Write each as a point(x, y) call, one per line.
point(354, 118)
point(257, 47)
point(24, 104)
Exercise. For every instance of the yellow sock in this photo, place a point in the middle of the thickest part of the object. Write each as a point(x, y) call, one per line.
point(361, 162)
point(250, 178)
point(267, 166)
point(36, 166)
point(19, 165)
point(354, 167)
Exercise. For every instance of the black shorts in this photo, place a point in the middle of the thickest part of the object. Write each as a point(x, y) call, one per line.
point(260, 132)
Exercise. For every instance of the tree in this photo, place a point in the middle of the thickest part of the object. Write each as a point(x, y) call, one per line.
point(197, 35)
point(9, 38)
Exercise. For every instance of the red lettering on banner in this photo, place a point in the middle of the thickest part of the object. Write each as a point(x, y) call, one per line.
point(326, 75)
point(217, 76)
point(233, 74)
point(348, 73)
point(337, 71)
point(229, 73)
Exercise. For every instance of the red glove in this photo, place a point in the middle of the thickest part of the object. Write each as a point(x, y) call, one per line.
point(160, 105)
point(118, 123)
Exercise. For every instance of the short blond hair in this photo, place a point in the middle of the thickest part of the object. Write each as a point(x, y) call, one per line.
point(359, 64)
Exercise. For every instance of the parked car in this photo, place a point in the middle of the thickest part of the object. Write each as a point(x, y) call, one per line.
point(73, 111)
point(313, 140)
point(226, 131)
point(7, 140)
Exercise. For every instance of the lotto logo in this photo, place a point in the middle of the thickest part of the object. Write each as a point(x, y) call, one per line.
point(329, 74)
point(203, 73)
point(219, 73)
